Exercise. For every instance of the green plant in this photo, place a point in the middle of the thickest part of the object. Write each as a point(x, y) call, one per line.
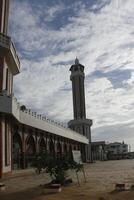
point(56, 166)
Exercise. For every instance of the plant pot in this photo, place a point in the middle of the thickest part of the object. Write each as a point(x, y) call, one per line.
point(2, 186)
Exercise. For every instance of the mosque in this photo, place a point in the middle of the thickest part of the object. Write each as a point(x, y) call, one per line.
point(24, 133)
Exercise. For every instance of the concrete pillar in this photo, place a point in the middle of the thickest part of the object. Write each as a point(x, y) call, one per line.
point(23, 148)
point(0, 146)
point(47, 143)
point(1, 73)
point(4, 13)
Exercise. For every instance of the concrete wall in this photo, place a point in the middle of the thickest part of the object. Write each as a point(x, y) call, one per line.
point(42, 124)
point(11, 106)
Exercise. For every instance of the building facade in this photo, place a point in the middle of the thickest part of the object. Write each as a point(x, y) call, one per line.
point(110, 151)
point(116, 150)
point(98, 151)
point(24, 133)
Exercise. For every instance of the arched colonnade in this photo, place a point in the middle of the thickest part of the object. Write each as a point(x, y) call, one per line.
point(28, 142)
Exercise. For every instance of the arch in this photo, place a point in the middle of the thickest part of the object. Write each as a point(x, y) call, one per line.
point(70, 152)
point(65, 149)
point(51, 147)
point(17, 151)
point(59, 148)
point(75, 147)
point(42, 145)
point(30, 145)
point(30, 150)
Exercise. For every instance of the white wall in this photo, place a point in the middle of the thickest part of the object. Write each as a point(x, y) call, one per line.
point(15, 108)
point(33, 121)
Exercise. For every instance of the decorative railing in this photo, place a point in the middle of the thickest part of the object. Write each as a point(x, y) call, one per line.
point(5, 42)
point(44, 118)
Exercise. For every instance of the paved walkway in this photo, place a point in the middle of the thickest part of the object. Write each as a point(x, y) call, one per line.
point(23, 179)
point(101, 180)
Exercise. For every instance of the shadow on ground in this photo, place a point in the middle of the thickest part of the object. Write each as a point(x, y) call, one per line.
point(69, 193)
point(28, 194)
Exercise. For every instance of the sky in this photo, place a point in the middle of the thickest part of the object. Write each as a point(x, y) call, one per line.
point(50, 34)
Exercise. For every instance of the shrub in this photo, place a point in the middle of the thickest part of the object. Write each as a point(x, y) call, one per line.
point(56, 166)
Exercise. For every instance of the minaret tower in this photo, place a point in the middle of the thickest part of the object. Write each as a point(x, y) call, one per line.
point(80, 123)
point(9, 66)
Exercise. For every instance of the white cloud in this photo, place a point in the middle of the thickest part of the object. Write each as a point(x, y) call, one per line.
point(130, 81)
point(102, 40)
point(51, 12)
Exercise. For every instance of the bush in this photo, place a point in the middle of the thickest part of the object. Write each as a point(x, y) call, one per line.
point(56, 166)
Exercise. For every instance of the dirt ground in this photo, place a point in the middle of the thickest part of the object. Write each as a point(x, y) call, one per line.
point(101, 179)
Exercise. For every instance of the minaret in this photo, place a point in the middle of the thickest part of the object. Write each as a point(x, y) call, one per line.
point(77, 78)
point(80, 123)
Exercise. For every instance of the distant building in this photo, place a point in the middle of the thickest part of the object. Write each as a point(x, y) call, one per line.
point(110, 151)
point(116, 150)
point(98, 151)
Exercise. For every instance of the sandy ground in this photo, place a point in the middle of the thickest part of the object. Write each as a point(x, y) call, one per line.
point(101, 179)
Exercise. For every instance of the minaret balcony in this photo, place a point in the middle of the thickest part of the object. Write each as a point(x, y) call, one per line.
point(8, 51)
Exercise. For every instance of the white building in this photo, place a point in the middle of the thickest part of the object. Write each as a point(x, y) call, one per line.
point(116, 150)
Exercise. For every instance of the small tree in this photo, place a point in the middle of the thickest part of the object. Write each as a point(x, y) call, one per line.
point(56, 166)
